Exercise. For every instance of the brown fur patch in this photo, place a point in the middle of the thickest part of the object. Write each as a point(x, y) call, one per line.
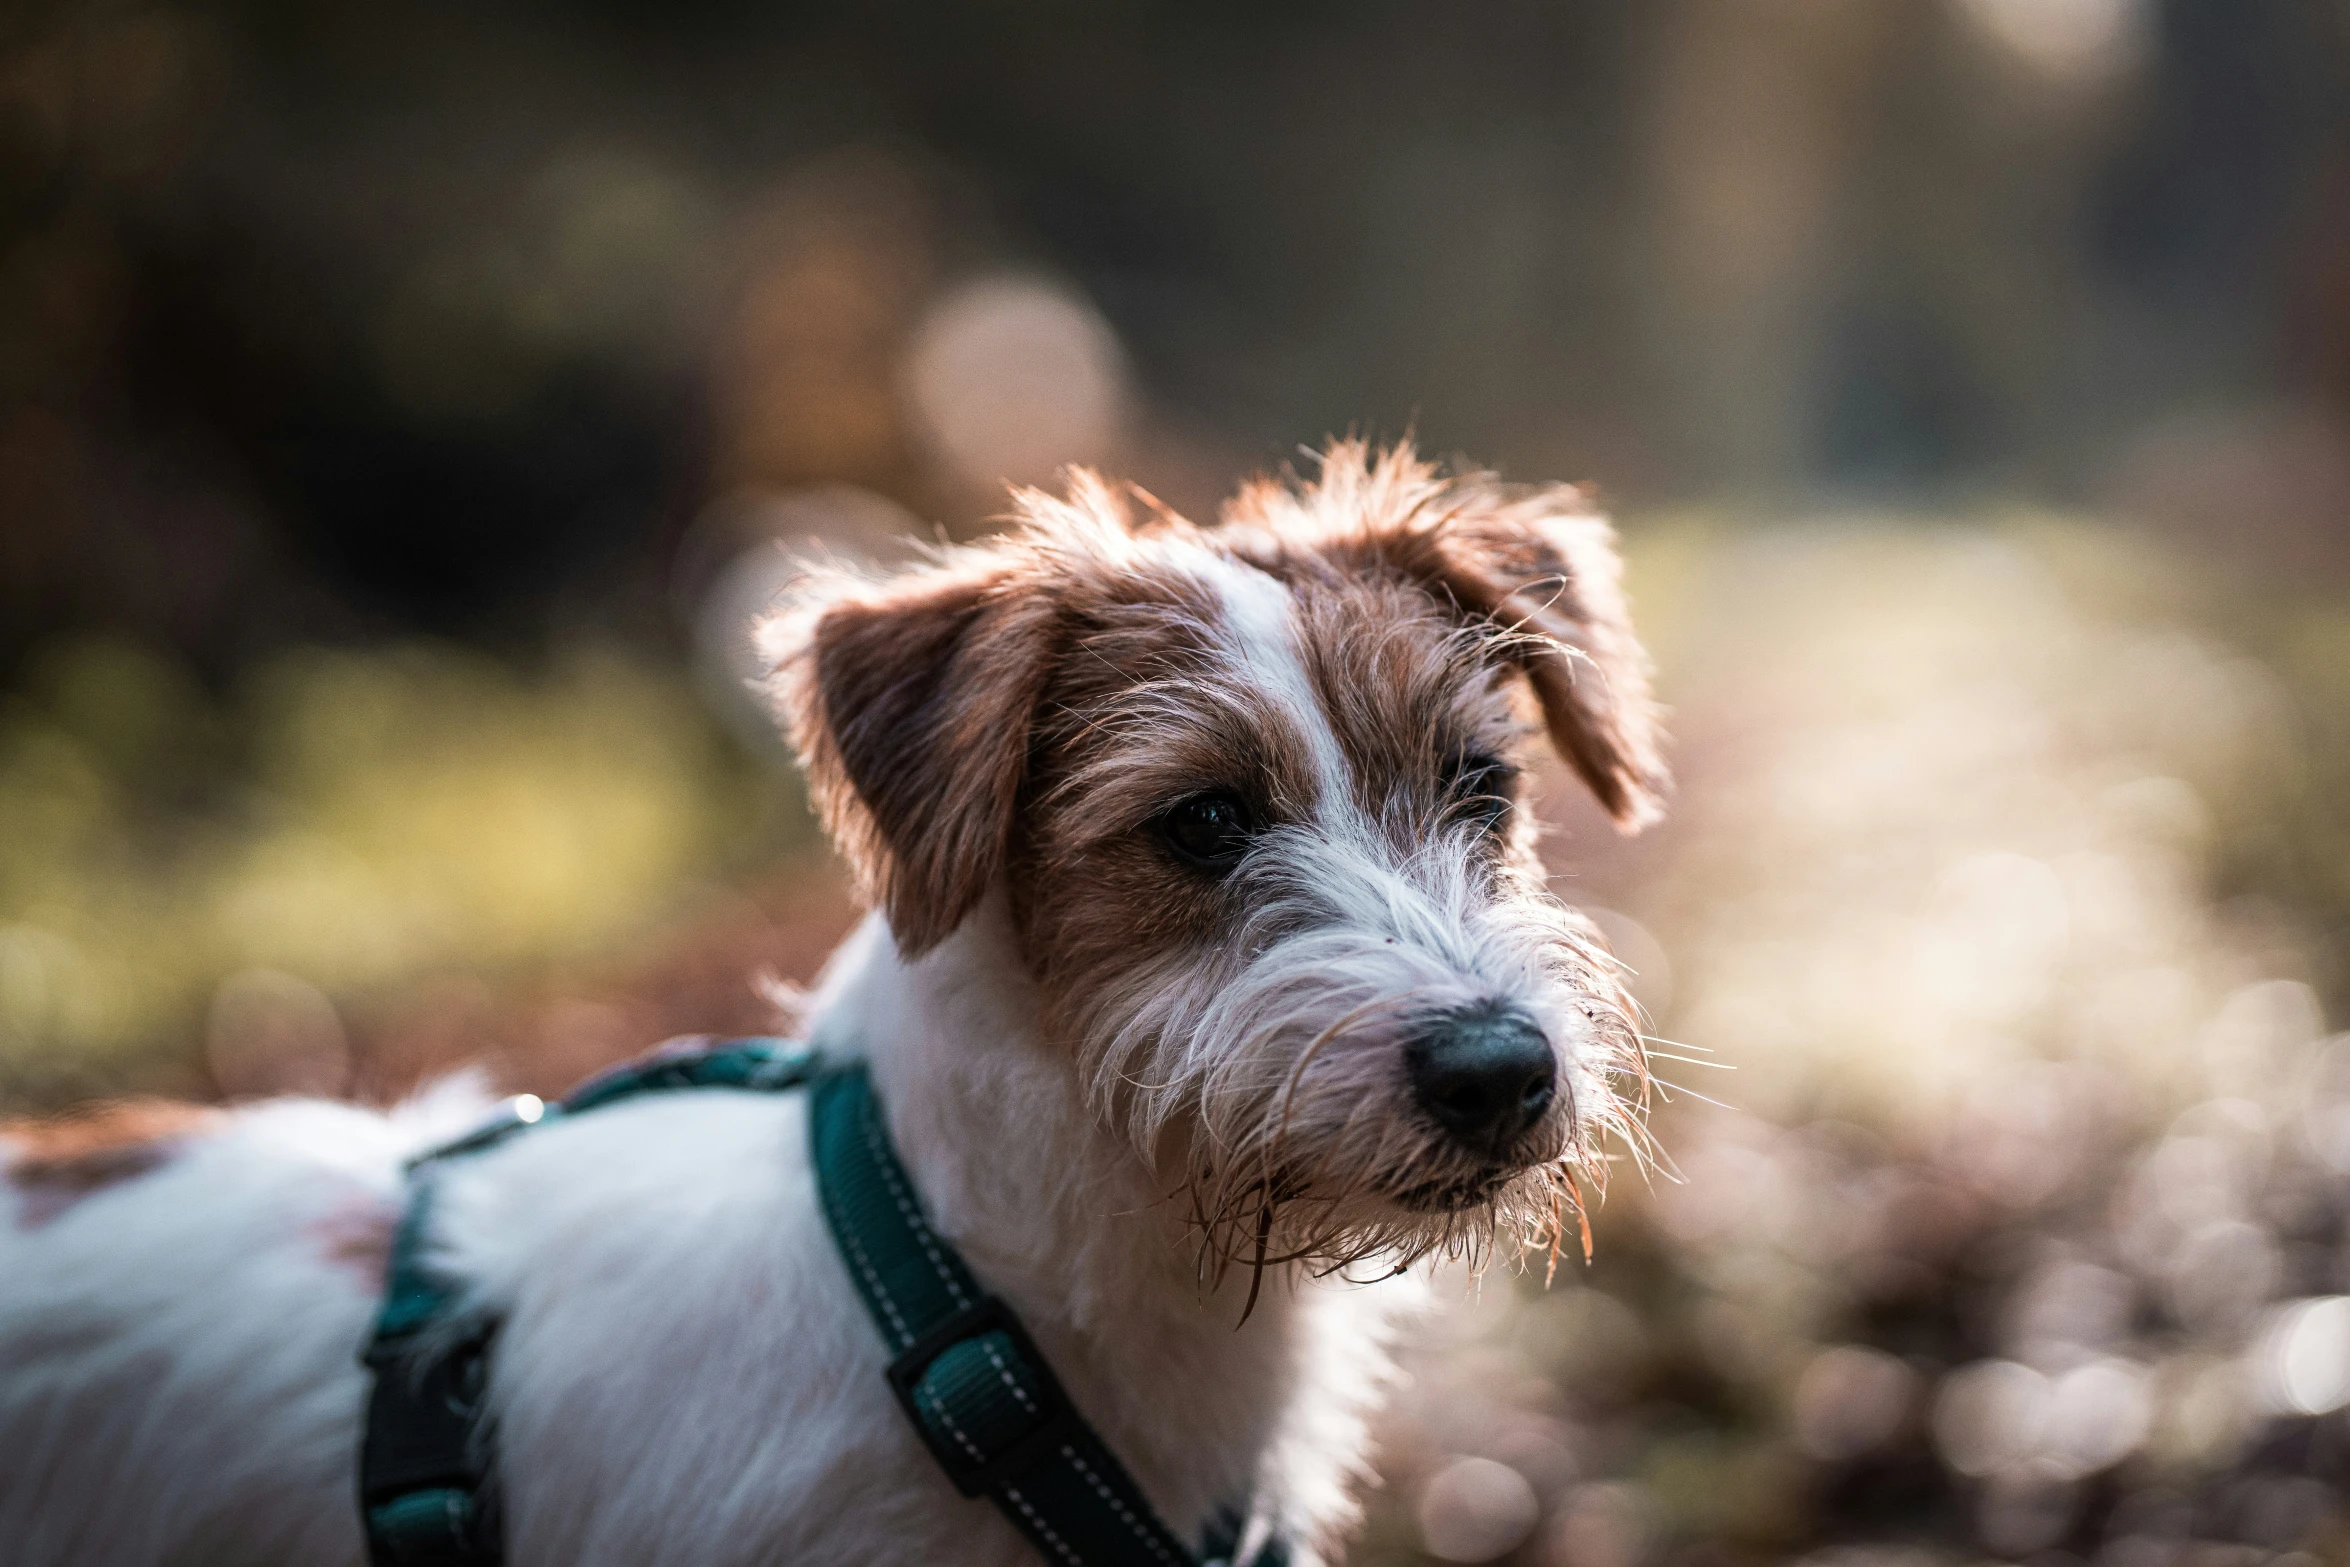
point(1145, 714)
point(1409, 697)
point(1533, 566)
point(356, 1234)
point(56, 1163)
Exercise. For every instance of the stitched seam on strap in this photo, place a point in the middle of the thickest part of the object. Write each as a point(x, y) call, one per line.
point(939, 1404)
point(1005, 1372)
point(1043, 1528)
point(880, 1293)
point(848, 1233)
point(882, 1161)
point(1125, 1513)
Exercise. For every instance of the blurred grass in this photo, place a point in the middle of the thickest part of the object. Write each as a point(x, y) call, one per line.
point(2007, 874)
point(357, 820)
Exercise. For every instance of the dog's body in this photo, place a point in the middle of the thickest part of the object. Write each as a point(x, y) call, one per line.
point(1206, 927)
point(696, 1384)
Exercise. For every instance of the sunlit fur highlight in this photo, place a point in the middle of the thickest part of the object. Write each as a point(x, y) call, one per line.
point(1248, 1039)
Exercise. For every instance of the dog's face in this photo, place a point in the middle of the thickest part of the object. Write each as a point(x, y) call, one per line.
point(1253, 794)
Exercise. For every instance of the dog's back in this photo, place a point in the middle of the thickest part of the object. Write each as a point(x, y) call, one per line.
point(182, 1294)
point(683, 1373)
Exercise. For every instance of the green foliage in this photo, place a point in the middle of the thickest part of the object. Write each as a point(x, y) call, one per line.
point(353, 819)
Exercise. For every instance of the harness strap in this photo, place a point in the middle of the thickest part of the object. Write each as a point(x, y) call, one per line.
point(427, 1496)
point(982, 1398)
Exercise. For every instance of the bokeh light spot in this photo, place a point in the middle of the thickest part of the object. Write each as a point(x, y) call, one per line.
point(1011, 378)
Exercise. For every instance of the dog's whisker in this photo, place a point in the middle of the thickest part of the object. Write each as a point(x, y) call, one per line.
point(1667, 1055)
point(1670, 1089)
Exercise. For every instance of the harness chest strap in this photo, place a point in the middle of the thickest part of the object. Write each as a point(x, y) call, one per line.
point(982, 1399)
point(427, 1492)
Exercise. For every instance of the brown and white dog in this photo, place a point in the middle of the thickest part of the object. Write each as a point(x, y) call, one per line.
point(1210, 968)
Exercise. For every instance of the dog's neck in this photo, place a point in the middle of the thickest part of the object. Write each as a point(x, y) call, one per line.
point(987, 1114)
point(1062, 1218)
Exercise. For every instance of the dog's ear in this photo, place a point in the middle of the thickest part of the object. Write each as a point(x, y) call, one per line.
point(909, 701)
point(1541, 566)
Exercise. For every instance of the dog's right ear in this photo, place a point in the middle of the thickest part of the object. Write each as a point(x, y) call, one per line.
point(909, 700)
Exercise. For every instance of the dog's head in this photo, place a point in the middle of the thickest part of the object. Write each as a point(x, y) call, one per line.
point(1251, 793)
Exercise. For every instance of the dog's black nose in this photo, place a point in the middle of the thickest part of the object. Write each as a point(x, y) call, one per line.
point(1485, 1076)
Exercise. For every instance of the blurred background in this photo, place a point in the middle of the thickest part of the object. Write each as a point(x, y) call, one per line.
point(402, 408)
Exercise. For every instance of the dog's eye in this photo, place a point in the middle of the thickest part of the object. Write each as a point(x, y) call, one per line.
point(1483, 788)
point(1210, 831)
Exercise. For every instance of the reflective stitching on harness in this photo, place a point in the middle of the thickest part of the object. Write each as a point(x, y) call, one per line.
point(1118, 1524)
point(1005, 1372)
point(872, 1279)
point(939, 1404)
point(1043, 1528)
point(1125, 1514)
point(906, 1205)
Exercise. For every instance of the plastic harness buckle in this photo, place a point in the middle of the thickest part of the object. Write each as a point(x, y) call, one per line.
point(422, 1493)
point(982, 1398)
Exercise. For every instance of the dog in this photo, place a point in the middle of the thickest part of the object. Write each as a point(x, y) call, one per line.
point(1209, 984)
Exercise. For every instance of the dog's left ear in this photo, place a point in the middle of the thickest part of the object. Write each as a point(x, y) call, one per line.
point(1541, 566)
point(909, 701)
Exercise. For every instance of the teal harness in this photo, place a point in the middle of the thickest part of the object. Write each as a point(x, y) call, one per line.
point(966, 1373)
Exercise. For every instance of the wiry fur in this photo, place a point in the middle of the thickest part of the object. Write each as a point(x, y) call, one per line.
point(1276, 1066)
point(1113, 1076)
